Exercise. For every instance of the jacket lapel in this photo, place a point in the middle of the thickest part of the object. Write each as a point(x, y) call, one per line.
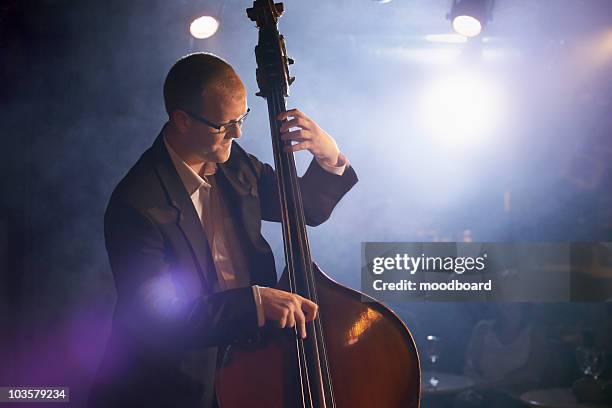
point(239, 185)
point(240, 189)
point(188, 220)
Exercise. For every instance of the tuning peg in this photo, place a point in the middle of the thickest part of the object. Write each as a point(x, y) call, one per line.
point(291, 79)
point(280, 8)
point(290, 61)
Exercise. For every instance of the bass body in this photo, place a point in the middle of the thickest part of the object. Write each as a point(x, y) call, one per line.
point(373, 360)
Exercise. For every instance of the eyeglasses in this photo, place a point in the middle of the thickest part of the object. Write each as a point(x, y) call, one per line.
point(220, 127)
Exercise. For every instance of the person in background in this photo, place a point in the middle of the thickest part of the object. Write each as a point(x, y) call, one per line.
point(505, 357)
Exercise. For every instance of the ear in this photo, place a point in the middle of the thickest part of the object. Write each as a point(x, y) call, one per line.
point(181, 121)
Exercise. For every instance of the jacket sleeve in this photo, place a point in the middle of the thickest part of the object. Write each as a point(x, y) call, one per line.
point(149, 306)
point(321, 191)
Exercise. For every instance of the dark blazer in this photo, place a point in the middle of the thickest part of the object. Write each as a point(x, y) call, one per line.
point(170, 317)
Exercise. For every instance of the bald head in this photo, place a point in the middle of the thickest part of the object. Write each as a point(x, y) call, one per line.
point(196, 76)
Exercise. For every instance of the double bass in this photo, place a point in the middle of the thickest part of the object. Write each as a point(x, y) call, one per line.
point(357, 352)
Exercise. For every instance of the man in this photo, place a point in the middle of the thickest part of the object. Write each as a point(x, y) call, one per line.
point(192, 270)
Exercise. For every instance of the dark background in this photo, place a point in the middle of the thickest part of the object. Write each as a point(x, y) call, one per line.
point(81, 100)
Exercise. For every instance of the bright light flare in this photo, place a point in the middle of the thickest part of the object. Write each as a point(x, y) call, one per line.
point(467, 26)
point(459, 110)
point(204, 27)
point(596, 51)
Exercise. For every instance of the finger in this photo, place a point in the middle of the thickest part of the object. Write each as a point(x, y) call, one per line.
point(290, 113)
point(299, 146)
point(310, 309)
point(291, 317)
point(296, 135)
point(295, 122)
point(301, 322)
point(282, 322)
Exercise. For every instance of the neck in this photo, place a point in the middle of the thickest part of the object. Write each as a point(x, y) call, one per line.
point(174, 140)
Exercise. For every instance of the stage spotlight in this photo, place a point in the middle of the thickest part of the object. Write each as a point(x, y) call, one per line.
point(468, 17)
point(467, 26)
point(204, 27)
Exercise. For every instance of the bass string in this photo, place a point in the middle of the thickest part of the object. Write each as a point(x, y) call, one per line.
point(311, 283)
point(275, 108)
point(306, 262)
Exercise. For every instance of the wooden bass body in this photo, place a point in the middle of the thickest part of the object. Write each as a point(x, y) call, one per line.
point(373, 360)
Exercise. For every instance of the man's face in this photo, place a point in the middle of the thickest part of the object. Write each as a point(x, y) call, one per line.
point(220, 106)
